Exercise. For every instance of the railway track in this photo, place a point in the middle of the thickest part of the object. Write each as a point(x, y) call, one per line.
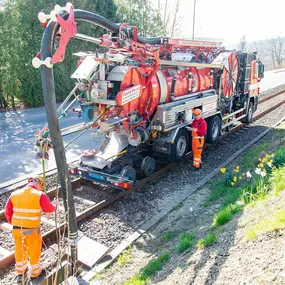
point(18, 183)
point(92, 207)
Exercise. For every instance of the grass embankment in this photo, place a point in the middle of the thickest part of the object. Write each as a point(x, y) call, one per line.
point(258, 174)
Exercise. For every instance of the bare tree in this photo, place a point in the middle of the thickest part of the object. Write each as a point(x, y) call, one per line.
point(171, 20)
point(260, 48)
point(275, 48)
point(176, 21)
point(242, 44)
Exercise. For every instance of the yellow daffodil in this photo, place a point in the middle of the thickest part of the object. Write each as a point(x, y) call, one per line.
point(223, 170)
point(235, 179)
point(233, 183)
point(260, 165)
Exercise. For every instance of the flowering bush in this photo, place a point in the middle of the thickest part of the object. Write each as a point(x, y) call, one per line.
point(257, 179)
point(231, 177)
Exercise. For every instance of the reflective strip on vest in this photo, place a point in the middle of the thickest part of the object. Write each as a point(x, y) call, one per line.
point(27, 210)
point(26, 218)
point(197, 137)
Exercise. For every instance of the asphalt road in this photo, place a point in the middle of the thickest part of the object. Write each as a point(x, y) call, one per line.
point(17, 129)
point(17, 154)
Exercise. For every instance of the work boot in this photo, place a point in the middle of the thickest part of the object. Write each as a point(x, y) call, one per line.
point(195, 168)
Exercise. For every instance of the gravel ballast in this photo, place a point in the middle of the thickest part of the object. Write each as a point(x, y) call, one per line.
point(127, 215)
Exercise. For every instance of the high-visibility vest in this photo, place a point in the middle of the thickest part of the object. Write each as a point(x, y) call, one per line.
point(26, 208)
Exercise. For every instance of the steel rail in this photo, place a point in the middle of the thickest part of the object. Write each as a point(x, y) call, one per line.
point(8, 259)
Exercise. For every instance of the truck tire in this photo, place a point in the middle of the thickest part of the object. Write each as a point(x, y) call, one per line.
point(129, 173)
point(248, 118)
point(180, 146)
point(214, 129)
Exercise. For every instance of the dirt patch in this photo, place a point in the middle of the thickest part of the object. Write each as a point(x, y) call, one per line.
point(232, 260)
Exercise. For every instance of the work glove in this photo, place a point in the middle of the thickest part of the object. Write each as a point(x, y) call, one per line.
point(55, 202)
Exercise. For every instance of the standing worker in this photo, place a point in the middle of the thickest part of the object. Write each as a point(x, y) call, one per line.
point(23, 211)
point(199, 130)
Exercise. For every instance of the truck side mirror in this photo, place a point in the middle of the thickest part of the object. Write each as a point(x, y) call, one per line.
point(260, 70)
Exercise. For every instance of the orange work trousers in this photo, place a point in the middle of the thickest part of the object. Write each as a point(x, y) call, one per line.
point(28, 247)
point(197, 149)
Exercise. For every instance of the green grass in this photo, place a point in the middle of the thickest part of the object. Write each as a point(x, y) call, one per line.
point(168, 236)
point(125, 257)
point(179, 206)
point(225, 215)
point(275, 222)
point(277, 181)
point(233, 196)
point(207, 241)
point(279, 133)
point(186, 241)
point(251, 234)
point(149, 271)
point(279, 158)
point(218, 190)
point(251, 156)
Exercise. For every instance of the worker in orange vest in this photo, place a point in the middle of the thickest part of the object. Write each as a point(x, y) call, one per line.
point(23, 210)
point(199, 130)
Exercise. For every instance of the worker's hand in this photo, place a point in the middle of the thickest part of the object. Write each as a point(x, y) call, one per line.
point(55, 202)
point(189, 129)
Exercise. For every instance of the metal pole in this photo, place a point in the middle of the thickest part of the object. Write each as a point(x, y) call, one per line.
point(194, 20)
point(56, 138)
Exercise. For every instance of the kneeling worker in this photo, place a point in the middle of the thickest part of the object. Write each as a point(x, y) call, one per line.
point(199, 130)
point(23, 211)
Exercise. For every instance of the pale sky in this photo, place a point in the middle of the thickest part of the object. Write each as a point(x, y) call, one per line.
point(230, 19)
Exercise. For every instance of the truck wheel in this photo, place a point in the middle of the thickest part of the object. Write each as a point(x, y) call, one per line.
point(148, 166)
point(249, 115)
point(129, 173)
point(214, 127)
point(179, 147)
